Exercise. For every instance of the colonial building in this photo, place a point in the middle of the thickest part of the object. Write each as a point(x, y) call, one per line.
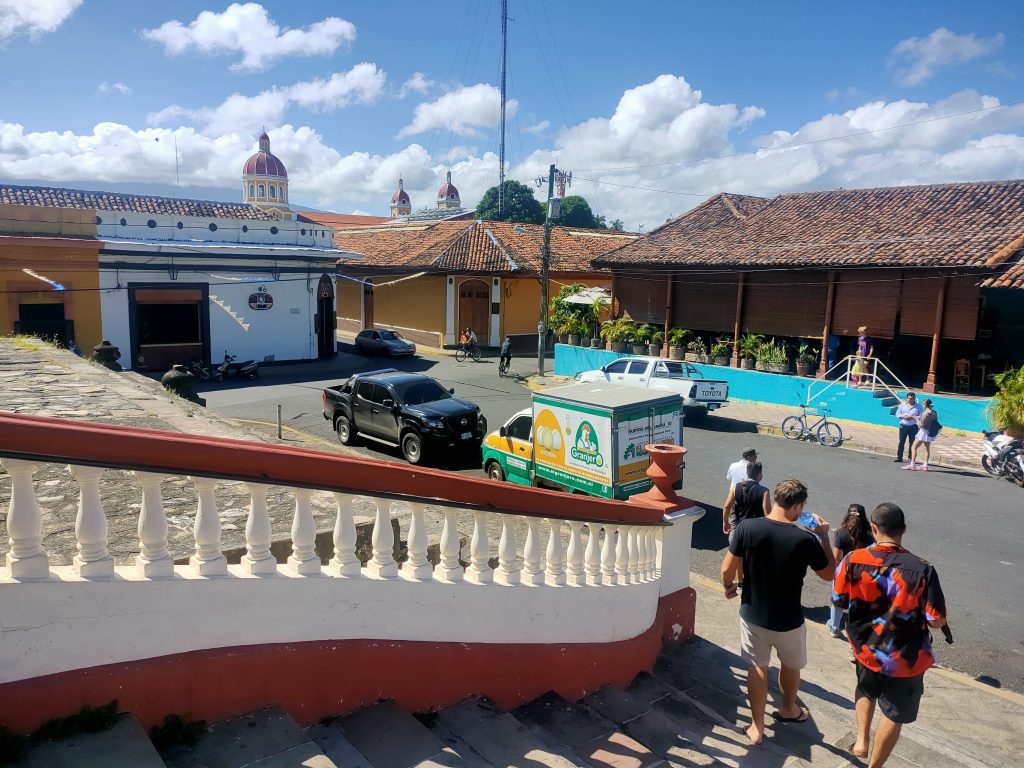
point(448, 195)
point(265, 181)
point(401, 205)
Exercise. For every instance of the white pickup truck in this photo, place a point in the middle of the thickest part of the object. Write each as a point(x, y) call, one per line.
point(699, 395)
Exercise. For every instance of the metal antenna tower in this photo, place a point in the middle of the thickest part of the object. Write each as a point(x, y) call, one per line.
point(501, 149)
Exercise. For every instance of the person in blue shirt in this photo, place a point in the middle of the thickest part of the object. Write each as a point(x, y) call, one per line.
point(907, 414)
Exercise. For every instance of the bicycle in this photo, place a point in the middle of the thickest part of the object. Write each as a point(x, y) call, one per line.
point(503, 365)
point(468, 350)
point(827, 433)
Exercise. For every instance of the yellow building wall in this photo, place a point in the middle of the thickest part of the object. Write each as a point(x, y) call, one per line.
point(520, 301)
point(417, 303)
point(347, 293)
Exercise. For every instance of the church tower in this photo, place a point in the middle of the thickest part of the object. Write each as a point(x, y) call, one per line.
point(401, 205)
point(265, 181)
point(448, 195)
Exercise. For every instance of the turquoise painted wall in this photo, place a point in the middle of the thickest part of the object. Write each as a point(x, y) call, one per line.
point(846, 403)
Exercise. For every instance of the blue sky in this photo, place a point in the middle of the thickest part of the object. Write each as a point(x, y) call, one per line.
point(664, 98)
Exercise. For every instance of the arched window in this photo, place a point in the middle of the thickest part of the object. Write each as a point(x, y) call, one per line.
point(263, 191)
point(284, 193)
point(252, 190)
point(273, 192)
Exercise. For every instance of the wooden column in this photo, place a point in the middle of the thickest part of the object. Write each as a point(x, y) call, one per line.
point(668, 314)
point(613, 306)
point(827, 330)
point(739, 321)
point(930, 384)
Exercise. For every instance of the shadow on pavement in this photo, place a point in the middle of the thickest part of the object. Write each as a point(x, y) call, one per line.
point(715, 423)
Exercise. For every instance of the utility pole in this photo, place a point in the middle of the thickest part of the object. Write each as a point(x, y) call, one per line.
point(545, 261)
point(501, 150)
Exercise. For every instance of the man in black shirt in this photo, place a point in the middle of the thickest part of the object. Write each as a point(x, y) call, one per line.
point(774, 553)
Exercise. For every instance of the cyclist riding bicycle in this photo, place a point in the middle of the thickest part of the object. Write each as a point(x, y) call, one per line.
point(505, 355)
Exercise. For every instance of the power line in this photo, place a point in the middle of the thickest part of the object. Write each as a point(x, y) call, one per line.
point(645, 189)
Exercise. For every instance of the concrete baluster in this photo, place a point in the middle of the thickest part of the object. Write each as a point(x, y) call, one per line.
point(26, 558)
point(608, 556)
point(575, 574)
point(304, 559)
point(533, 569)
point(382, 564)
point(92, 561)
point(641, 553)
point(652, 555)
point(622, 555)
point(344, 562)
point(479, 571)
point(555, 575)
point(656, 545)
point(418, 566)
point(507, 572)
point(634, 554)
point(153, 560)
point(258, 560)
point(450, 569)
point(592, 556)
point(208, 559)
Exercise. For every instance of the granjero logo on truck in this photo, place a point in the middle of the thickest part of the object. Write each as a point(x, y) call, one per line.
point(585, 447)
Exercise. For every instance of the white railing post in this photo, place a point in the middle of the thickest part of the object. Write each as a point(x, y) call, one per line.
point(258, 559)
point(417, 566)
point(634, 555)
point(622, 555)
point(344, 562)
point(641, 553)
point(450, 569)
point(555, 574)
point(304, 559)
point(479, 571)
point(575, 574)
point(153, 560)
point(26, 559)
point(92, 561)
point(507, 572)
point(592, 556)
point(608, 556)
point(533, 569)
point(382, 564)
point(208, 559)
point(652, 554)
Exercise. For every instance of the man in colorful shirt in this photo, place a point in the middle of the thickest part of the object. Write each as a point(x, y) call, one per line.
point(893, 596)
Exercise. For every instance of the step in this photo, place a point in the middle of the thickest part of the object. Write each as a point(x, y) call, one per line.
point(389, 737)
point(332, 742)
point(889, 402)
point(500, 739)
point(266, 738)
point(596, 739)
point(125, 744)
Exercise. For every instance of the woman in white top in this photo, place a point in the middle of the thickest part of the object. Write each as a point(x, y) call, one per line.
point(924, 436)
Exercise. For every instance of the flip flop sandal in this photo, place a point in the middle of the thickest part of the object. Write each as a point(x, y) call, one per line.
point(803, 717)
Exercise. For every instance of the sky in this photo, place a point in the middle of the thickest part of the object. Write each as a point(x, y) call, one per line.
point(653, 106)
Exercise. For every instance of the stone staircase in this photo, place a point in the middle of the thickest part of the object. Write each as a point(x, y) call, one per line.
point(886, 400)
point(688, 712)
point(227, 308)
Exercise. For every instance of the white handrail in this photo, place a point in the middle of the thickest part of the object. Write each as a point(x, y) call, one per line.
point(848, 362)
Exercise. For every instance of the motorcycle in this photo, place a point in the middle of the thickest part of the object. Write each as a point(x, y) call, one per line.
point(1004, 457)
point(229, 367)
point(199, 370)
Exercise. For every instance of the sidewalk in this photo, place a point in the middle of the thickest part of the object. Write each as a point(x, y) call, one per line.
point(951, 449)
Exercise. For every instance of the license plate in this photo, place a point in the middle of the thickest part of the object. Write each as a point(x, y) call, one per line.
point(710, 393)
point(467, 435)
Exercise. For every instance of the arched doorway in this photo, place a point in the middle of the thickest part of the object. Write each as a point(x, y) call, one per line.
point(475, 309)
point(326, 318)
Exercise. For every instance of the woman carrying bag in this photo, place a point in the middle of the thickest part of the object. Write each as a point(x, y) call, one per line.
point(928, 430)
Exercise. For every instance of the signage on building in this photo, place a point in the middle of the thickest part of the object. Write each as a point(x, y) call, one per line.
point(261, 299)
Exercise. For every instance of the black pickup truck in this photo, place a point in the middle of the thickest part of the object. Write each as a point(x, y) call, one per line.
point(409, 410)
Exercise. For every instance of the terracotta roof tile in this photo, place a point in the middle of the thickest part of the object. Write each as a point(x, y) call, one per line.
point(336, 220)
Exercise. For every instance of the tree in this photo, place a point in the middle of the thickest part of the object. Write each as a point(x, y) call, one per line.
point(617, 225)
point(576, 212)
point(519, 204)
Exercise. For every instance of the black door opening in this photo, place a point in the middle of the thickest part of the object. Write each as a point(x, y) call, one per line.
point(43, 320)
point(327, 321)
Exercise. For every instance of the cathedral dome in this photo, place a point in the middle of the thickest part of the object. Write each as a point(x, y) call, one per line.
point(264, 162)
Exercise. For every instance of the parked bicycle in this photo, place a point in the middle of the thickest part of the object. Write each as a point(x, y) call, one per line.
point(827, 433)
point(468, 350)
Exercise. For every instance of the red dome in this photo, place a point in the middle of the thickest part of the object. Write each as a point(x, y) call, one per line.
point(400, 196)
point(264, 164)
point(448, 190)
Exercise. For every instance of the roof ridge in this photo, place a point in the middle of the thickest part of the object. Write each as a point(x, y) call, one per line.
point(902, 187)
point(124, 194)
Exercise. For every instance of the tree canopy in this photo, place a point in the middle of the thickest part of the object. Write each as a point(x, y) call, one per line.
point(520, 205)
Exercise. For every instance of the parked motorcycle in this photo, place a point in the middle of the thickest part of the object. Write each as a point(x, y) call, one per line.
point(1004, 457)
point(198, 369)
point(230, 367)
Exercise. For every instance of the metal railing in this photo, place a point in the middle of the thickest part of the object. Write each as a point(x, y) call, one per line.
point(878, 376)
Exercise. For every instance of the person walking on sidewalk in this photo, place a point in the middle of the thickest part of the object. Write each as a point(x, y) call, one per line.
point(737, 471)
point(907, 414)
point(892, 596)
point(773, 554)
point(926, 432)
point(746, 500)
point(853, 533)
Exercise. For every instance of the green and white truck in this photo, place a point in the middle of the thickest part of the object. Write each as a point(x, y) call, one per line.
point(584, 438)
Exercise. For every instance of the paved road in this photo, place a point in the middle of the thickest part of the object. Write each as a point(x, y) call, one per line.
point(969, 526)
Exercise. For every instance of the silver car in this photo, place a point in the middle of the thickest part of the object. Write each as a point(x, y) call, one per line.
point(382, 341)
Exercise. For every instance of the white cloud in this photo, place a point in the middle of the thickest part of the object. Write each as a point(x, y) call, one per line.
point(124, 90)
point(418, 83)
point(537, 128)
point(248, 29)
point(363, 84)
point(462, 111)
point(33, 17)
point(916, 59)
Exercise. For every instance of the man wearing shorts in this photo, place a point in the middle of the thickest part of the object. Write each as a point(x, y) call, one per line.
point(893, 597)
point(773, 553)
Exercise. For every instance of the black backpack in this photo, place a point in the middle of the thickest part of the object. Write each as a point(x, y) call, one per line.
point(749, 501)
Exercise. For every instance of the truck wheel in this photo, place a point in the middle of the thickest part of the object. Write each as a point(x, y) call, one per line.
point(495, 472)
point(412, 447)
point(344, 429)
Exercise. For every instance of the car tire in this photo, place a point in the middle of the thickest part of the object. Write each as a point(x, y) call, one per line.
point(412, 448)
point(343, 428)
point(495, 472)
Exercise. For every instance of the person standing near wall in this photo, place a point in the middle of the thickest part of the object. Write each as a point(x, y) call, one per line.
point(865, 350)
point(927, 429)
point(907, 414)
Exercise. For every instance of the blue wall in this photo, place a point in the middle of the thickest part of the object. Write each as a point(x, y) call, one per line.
point(846, 403)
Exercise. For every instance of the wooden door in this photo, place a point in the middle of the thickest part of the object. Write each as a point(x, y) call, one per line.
point(475, 309)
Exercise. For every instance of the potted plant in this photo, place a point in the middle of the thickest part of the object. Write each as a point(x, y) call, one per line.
point(641, 337)
point(676, 340)
point(774, 357)
point(654, 346)
point(596, 310)
point(720, 353)
point(806, 360)
point(617, 332)
point(749, 343)
point(696, 351)
point(576, 327)
point(1006, 410)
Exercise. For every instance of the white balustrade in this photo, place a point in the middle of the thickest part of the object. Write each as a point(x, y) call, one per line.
point(574, 573)
point(641, 554)
point(26, 558)
point(258, 559)
point(533, 569)
point(649, 538)
point(450, 569)
point(622, 555)
point(304, 559)
point(208, 559)
point(479, 570)
point(634, 555)
point(555, 573)
point(153, 560)
point(382, 564)
point(608, 574)
point(417, 566)
point(507, 572)
point(592, 556)
point(92, 561)
point(344, 562)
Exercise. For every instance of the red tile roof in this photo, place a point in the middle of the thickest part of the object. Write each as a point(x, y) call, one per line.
point(338, 220)
point(975, 224)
